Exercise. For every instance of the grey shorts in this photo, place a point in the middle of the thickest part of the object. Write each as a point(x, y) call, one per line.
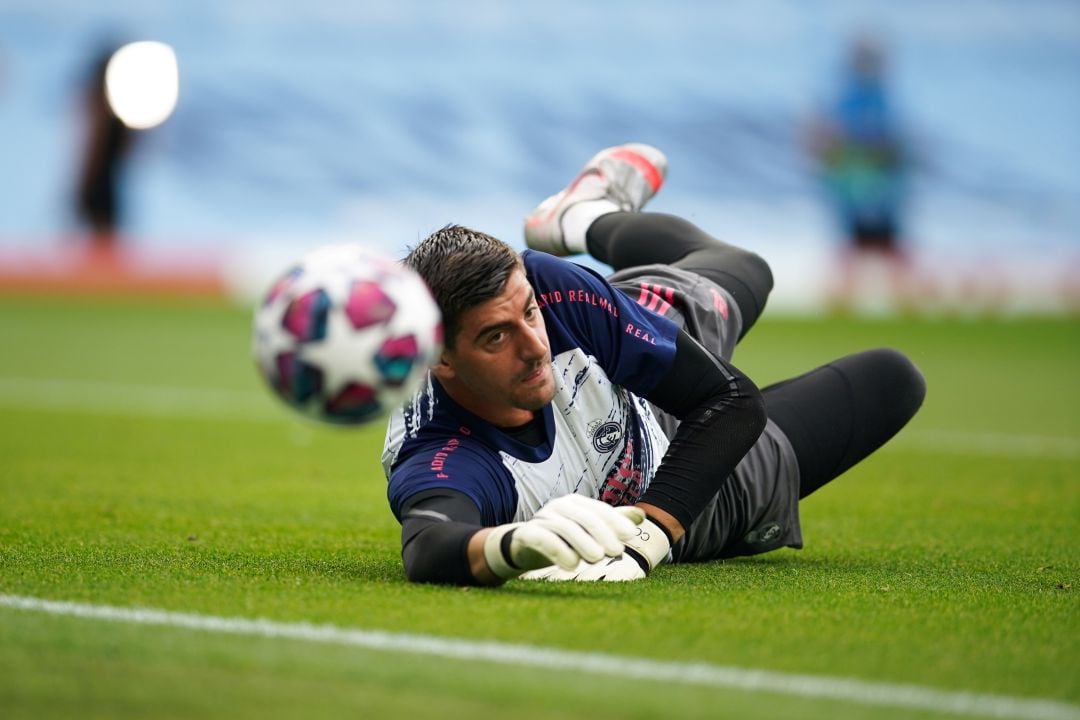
point(757, 507)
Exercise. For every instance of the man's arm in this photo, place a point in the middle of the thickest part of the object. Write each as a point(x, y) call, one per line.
point(437, 527)
point(442, 541)
point(721, 415)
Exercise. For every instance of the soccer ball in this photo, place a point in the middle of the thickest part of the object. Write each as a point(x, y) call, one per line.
point(346, 334)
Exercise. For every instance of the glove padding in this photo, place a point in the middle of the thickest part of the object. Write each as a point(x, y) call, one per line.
point(648, 548)
point(566, 531)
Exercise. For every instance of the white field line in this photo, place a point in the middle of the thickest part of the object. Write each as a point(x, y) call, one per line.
point(624, 667)
point(224, 404)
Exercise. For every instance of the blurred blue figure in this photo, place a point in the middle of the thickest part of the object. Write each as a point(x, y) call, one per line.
point(861, 153)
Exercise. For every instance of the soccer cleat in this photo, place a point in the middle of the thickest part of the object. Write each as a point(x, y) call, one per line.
point(623, 177)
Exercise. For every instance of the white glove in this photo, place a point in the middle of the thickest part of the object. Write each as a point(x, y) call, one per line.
point(648, 548)
point(566, 531)
point(616, 569)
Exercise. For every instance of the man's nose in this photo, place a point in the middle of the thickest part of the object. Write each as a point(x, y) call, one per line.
point(533, 344)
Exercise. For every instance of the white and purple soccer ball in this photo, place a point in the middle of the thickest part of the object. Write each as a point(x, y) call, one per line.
point(346, 334)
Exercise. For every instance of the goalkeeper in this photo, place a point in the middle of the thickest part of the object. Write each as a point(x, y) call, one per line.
point(578, 427)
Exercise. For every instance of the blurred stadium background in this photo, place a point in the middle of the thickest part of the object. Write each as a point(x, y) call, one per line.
point(380, 122)
point(143, 465)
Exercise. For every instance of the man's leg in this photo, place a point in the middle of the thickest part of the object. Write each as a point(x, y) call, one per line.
point(623, 239)
point(820, 424)
point(599, 212)
point(841, 412)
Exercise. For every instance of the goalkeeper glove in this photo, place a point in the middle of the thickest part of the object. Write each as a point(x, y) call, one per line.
point(565, 531)
point(648, 548)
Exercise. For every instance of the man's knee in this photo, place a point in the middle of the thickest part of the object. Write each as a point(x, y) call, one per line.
point(757, 271)
point(890, 381)
point(742, 273)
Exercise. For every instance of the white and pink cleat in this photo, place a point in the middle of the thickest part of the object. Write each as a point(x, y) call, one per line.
point(623, 177)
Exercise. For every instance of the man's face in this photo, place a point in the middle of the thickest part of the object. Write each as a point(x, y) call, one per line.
point(500, 367)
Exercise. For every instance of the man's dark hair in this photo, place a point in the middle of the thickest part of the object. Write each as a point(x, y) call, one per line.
point(464, 268)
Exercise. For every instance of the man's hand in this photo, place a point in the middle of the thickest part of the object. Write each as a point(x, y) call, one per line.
point(644, 551)
point(565, 532)
point(616, 569)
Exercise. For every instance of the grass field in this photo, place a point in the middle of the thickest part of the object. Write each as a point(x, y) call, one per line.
point(143, 466)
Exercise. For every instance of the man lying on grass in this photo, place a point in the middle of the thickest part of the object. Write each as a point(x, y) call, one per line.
point(578, 427)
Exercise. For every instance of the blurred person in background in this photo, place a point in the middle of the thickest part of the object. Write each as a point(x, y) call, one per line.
point(106, 146)
point(860, 152)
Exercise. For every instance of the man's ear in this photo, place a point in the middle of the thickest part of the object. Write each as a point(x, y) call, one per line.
point(443, 369)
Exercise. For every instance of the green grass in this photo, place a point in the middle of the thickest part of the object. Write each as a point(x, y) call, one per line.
point(948, 566)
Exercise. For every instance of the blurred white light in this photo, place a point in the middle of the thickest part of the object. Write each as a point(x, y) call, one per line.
point(142, 84)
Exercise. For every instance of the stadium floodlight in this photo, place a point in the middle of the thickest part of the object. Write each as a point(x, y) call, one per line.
point(142, 84)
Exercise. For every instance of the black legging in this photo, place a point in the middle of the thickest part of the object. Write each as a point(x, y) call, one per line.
point(625, 240)
point(835, 415)
point(841, 412)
